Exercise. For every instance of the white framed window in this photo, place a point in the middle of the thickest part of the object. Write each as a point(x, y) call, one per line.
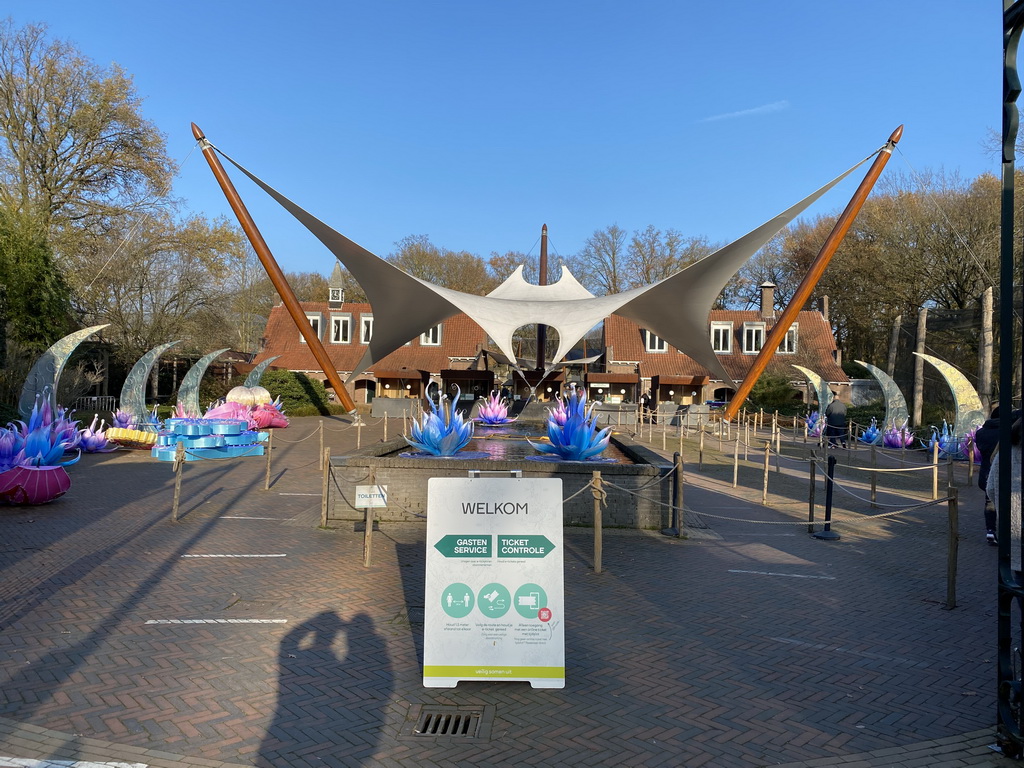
point(753, 338)
point(365, 328)
point(314, 322)
point(788, 344)
point(341, 329)
point(431, 338)
point(721, 337)
point(655, 343)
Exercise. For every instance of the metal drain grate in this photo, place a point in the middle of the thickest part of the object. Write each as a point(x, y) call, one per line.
point(453, 722)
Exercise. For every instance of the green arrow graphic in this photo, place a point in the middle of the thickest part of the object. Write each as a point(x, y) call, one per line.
point(469, 545)
point(524, 546)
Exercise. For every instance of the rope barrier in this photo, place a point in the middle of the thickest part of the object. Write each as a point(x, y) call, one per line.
point(199, 457)
point(863, 519)
point(301, 439)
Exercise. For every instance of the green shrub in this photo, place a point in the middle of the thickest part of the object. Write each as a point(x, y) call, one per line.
point(775, 393)
point(299, 394)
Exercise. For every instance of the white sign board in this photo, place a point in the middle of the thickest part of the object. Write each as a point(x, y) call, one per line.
point(371, 496)
point(495, 603)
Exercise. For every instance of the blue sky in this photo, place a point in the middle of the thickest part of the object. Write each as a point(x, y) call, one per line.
point(476, 122)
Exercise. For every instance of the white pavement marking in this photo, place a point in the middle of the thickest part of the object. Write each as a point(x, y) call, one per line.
point(243, 517)
point(234, 555)
point(24, 762)
point(216, 621)
point(300, 494)
point(790, 575)
point(761, 534)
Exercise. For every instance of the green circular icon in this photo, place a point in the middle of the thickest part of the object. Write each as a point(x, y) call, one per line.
point(493, 601)
point(529, 599)
point(457, 600)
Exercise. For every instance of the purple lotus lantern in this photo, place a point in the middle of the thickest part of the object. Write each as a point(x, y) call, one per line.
point(901, 437)
point(443, 434)
point(32, 455)
point(122, 419)
point(493, 411)
point(93, 439)
point(572, 430)
point(814, 424)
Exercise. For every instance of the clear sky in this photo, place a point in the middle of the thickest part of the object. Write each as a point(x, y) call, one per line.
point(476, 122)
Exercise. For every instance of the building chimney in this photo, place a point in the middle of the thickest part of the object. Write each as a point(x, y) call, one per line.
point(823, 307)
point(767, 300)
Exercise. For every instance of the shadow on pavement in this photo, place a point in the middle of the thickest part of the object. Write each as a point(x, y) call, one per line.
point(338, 676)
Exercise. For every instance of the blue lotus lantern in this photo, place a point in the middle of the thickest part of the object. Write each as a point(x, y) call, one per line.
point(572, 430)
point(441, 434)
point(872, 434)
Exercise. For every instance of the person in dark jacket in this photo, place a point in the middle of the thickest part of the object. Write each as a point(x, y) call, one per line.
point(986, 439)
point(835, 421)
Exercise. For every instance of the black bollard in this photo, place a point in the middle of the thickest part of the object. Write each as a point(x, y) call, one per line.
point(827, 533)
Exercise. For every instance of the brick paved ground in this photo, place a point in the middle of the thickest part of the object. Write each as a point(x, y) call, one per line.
point(745, 645)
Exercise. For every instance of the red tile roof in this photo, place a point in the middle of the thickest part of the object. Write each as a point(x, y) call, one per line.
point(815, 348)
point(460, 338)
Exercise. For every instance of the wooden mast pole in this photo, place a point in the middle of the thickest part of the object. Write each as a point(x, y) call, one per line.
point(274, 272)
point(542, 279)
point(814, 273)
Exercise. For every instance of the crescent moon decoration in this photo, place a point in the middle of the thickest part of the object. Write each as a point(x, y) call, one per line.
point(896, 413)
point(969, 413)
point(820, 387)
point(253, 379)
point(188, 391)
point(45, 374)
point(133, 393)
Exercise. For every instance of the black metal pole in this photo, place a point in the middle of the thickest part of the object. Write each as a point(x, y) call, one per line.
point(827, 533)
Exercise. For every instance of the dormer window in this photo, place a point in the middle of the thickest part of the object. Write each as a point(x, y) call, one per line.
point(788, 344)
point(365, 328)
point(753, 338)
point(431, 338)
point(341, 329)
point(655, 343)
point(314, 322)
point(721, 338)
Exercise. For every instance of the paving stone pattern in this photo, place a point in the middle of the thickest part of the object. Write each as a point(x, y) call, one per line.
point(745, 645)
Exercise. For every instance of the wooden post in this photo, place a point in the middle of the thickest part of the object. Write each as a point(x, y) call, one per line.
point(359, 431)
point(874, 477)
point(812, 470)
point(970, 460)
point(778, 453)
point(179, 464)
point(700, 449)
point(935, 470)
point(321, 444)
point(596, 491)
point(767, 457)
point(903, 446)
point(270, 451)
point(325, 462)
point(385, 428)
point(746, 438)
point(677, 488)
point(368, 529)
point(952, 547)
point(736, 461)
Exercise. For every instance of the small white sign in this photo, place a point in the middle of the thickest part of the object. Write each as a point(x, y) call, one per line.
point(371, 497)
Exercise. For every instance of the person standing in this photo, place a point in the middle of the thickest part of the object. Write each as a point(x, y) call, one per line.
point(1015, 476)
point(987, 439)
point(835, 421)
